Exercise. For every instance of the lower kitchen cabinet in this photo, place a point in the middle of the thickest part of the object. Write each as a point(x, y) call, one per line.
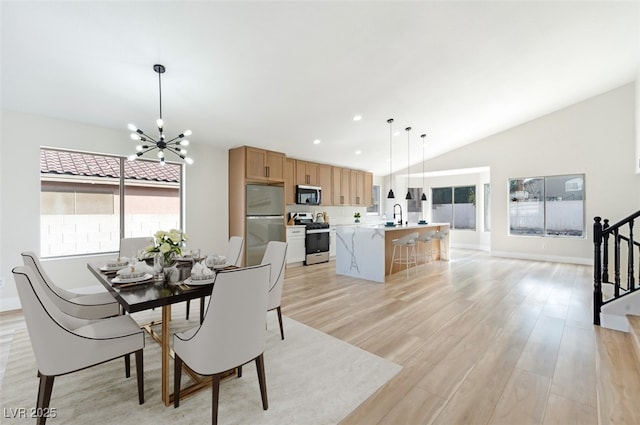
point(295, 241)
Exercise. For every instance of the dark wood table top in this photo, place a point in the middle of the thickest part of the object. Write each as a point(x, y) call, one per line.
point(148, 294)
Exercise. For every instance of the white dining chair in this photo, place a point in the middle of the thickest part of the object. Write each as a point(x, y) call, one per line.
point(85, 306)
point(233, 254)
point(441, 237)
point(131, 247)
point(64, 344)
point(276, 255)
point(232, 333)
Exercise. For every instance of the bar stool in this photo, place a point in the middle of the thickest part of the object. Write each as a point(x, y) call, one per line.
point(409, 243)
point(426, 238)
point(440, 236)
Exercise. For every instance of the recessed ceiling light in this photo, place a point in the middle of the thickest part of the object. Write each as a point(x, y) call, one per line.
point(316, 142)
point(357, 118)
point(358, 152)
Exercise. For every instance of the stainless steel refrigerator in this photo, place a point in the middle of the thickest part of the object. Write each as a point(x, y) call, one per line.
point(265, 220)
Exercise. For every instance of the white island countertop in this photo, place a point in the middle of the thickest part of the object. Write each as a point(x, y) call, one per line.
point(364, 250)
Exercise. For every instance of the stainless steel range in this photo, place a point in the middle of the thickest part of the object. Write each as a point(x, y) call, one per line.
point(316, 241)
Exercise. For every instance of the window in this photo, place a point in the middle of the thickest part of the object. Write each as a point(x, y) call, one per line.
point(80, 208)
point(374, 209)
point(455, 205)
point(415, 203)
point(547, 206)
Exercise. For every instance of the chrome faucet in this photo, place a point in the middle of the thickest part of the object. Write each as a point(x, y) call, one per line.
point(394, 213)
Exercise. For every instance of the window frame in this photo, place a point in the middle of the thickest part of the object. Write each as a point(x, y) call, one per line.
point(122, 183)
point(453, 203)
point(545, 233)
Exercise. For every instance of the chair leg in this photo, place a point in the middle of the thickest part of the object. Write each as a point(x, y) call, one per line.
point(127, 365)
point(44, 397)
point(279, 311)
point(140, 375)
point(262, 381)
point(188, 308)
point(393, 257)
point(201, 310)
point(177, 372)
point(239, 371)
point(215, 395)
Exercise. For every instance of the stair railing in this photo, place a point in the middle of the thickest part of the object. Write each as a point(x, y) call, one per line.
point(602, 233)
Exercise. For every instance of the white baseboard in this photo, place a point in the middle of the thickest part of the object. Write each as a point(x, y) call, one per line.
point(615, 322)
point(549, 258)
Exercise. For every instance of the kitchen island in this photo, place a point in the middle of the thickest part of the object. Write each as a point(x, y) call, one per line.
point(364, 251)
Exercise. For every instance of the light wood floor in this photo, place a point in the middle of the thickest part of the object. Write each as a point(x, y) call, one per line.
point(482, 340)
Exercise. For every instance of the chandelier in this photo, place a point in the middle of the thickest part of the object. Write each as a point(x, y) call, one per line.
point(408, 197)
point(175, 145)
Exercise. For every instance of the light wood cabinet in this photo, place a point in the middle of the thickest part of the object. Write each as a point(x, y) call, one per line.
point(368, 189)
point(306, 173)
point(290, 181)
point(325, 181)
point(264, 165)
point(345, 186)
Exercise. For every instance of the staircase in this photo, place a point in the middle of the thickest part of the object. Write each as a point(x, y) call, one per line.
point(615, 291)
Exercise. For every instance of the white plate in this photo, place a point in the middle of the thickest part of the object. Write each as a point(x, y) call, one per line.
point(119, 279)
point(192, 282)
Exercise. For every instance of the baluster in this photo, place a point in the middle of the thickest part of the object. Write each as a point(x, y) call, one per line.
point(631, 277)
point(616, 261)
point(597, 270)
point(605, 251)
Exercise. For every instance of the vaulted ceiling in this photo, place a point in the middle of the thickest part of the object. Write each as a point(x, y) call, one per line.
point(282, 74)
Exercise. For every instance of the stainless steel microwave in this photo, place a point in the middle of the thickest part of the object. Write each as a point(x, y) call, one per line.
point(308, 195)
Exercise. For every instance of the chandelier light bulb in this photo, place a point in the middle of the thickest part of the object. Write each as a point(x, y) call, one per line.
point(188, 160)
point(161, 154)
point(132, 157)
point(159, 122)
point(184, 142)
point(183, 151)
point(187, 133)
point(132, 127)
point(139, 148)
point(134, 136)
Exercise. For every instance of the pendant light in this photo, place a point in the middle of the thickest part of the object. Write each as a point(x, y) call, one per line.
point(175, 145)
point(408, 197)
point(424, 195)
point(391, 195)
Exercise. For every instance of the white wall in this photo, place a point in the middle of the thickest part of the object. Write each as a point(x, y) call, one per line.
point(595, 137)
point(22, 136)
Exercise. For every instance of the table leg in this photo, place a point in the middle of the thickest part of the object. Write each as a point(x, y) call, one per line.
point(166, 354)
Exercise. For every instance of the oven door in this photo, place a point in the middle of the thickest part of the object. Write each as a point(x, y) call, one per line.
point(317, 241)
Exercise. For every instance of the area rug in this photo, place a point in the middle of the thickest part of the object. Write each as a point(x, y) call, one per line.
point(312, 378)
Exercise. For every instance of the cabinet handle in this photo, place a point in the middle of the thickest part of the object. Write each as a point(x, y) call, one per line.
point(266, 171)
point(358, 200)
point(342, 199)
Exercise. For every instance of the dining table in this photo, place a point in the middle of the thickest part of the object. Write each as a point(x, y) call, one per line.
point(149, 294)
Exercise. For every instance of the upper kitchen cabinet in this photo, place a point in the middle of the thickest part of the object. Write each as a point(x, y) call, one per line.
point(263, 165)
point(368, 189)
point(306, 173)
point(325, 181)
point(361, 188)
point(341, 186)
point(290, 181)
